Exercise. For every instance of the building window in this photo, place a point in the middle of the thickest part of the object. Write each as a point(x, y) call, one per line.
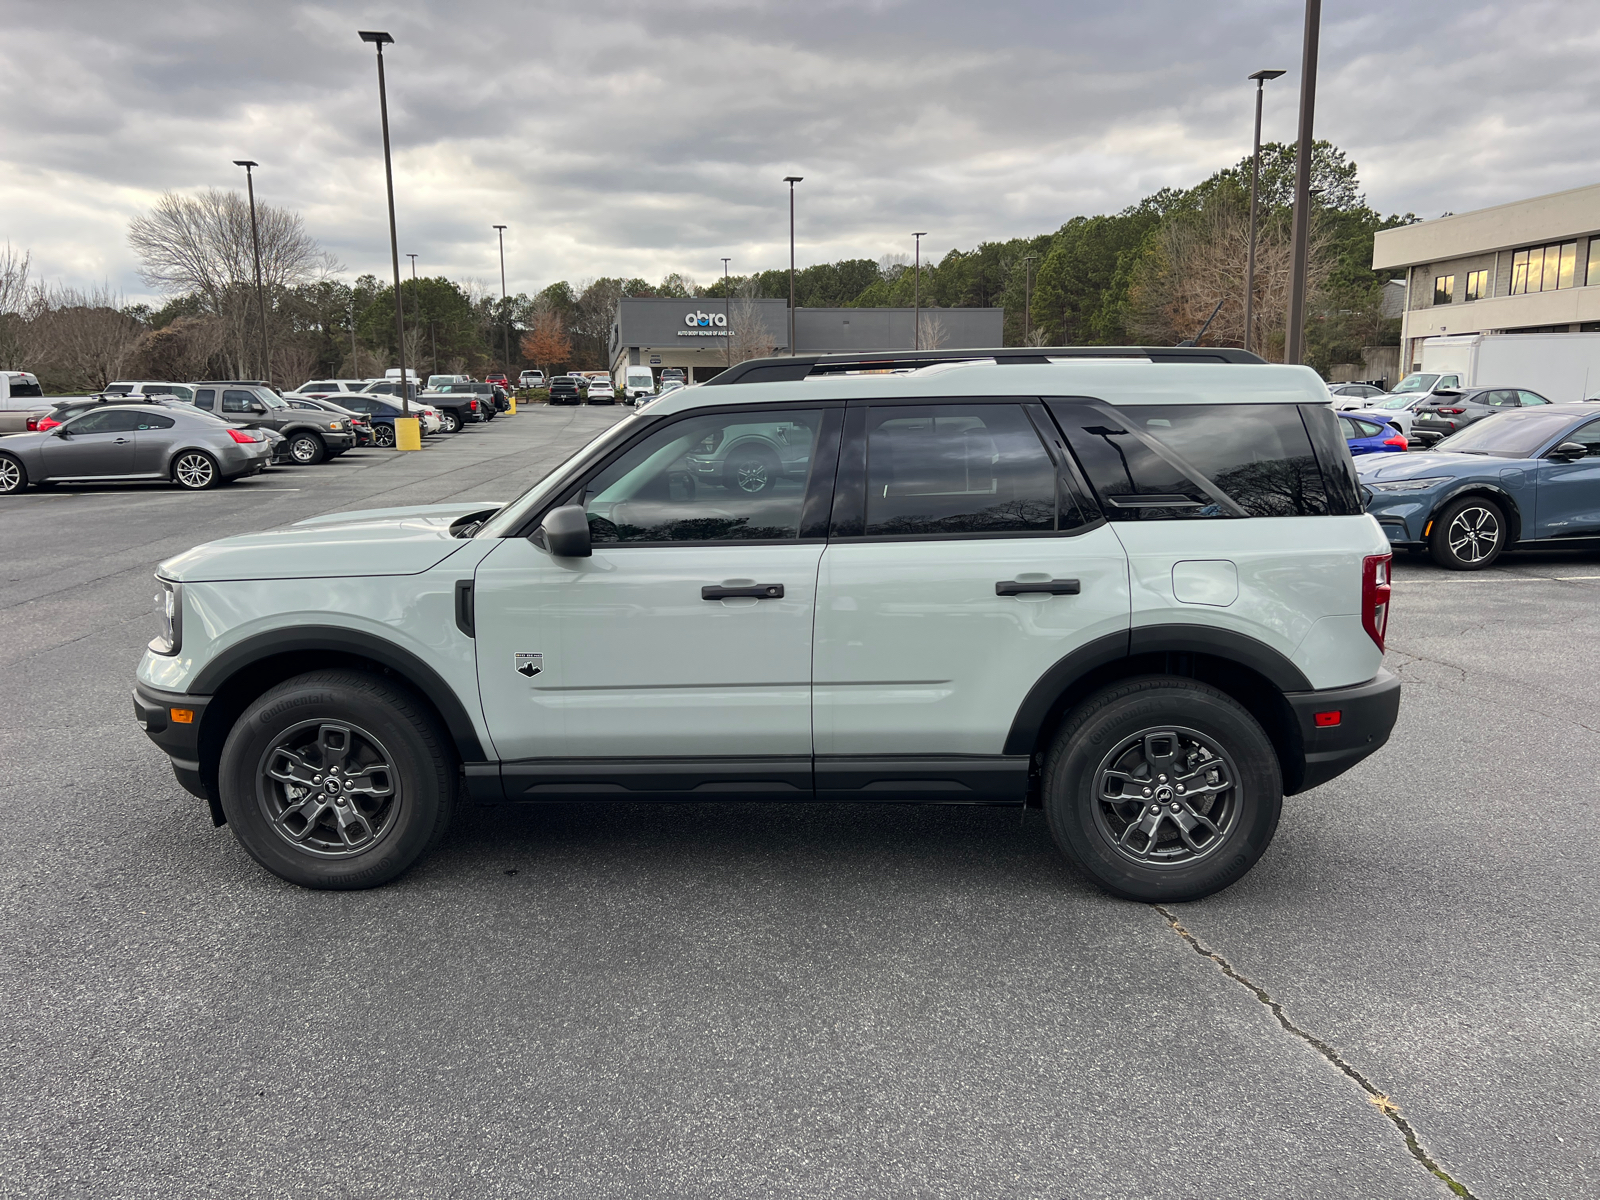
point(1444, 289)
point(1592, 276)
point(1544, 268)
point(1477, 285)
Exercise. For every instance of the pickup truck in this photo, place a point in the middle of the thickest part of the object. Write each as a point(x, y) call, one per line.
point(21, 399)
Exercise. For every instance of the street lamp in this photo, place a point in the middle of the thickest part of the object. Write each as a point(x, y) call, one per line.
point(1294, 335)
point(916, 303)
point(791, 180)
point(255, 241)
point(379, 40)
point(1027, 296)
point(1261, 78)
point(505, 327)
point(727, 326)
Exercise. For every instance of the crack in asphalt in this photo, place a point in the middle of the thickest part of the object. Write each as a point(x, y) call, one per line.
point(1379, 1100)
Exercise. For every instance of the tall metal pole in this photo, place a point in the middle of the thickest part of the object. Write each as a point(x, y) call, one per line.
point(791, 180)
point(1294, 335)
point(505, 326)
point(1027, 296)
point(727, 323)
point(379, 40)
point(414, 298)
point(1261, 78)
point(916, 303)
point(355, 357)
point(255, 241)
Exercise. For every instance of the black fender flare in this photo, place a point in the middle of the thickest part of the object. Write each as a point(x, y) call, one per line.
point(331, 638)
point(1483, 487)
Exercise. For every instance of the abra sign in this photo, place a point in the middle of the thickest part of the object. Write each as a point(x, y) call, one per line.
point(702, 320)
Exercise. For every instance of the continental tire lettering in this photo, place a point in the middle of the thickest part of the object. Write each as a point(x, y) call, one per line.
point(283, 706)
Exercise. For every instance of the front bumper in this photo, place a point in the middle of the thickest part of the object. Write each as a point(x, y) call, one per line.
point(160, 714)
point(1367, 714)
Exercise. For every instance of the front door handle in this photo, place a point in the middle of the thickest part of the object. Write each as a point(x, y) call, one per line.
point(120, 442)
point(755, 591)
point(1053, 587)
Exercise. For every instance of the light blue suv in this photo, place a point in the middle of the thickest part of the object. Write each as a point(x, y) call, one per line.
point(1140, 594)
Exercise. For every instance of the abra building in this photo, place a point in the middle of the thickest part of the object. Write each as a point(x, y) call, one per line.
point(695, 334)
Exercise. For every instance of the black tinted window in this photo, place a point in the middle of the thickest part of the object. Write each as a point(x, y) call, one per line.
point(954, 468)
point(107, 420)
point(205, 398)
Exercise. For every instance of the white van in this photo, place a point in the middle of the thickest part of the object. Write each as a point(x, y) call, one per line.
point(638, 381)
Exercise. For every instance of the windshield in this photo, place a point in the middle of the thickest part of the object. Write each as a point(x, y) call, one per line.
point(1507, 435)
point(1391, 403)
point(509, 517)
point(1415, 383)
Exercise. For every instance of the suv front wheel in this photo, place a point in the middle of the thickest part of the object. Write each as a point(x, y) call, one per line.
point(1162, 789)
point(337, 779)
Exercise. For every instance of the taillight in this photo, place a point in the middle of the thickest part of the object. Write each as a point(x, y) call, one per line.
point(472, 406)
point(1375, 596)
point(1395, 441)
point(243, 438)
point(1454, 412)
point(42, 424)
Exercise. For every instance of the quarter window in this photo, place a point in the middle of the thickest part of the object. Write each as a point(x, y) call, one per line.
point(718, 477)
point(155, 421)
point(1444, 289)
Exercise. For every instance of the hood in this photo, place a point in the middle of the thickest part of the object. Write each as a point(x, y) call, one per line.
point(387, 541)
point(1418, 465)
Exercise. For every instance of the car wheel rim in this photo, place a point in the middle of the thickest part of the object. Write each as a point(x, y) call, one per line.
point(194, 471)
point(1166, 797)
point(329, 789)
point(10, 475)
point(1474, 534)
point(752, 476)
point(384, 436)
point(304, 450)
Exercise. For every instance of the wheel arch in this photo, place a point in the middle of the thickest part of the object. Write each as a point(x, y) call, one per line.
point(1489, 491)
point(1250, 672)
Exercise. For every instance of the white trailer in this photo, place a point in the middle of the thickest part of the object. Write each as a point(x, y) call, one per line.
point(1559, 366)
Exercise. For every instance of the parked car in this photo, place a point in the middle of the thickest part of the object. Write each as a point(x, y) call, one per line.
point(969, 594)
point(1445, 412)
point(429, 419)
point(564, 389)
point(1399, 411)
point(492, 398)
point(360, 423)
point(1425, 383)
point(673, 373)
point(381, 411)
point(455, 409)
point(637, 381)
point(308, 437)
point(437, 381)
point(531, 379)
point(323, 388)
point(1365, 436)
point(600, 391)
point(125, 442)
point(1354, 395)
point(1523, 478)
point(22, 401)
point(147, 387)
point(498, 377)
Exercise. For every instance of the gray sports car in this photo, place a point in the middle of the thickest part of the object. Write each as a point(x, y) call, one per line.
point(112, 442)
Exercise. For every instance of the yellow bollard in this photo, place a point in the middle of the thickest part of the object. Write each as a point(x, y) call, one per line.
point(512, 411)
point(407, 433)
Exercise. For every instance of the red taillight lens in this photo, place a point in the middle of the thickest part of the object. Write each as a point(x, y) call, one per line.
point(1454, 412)
point(1395, 441)
point(42, 424)
point(243, 438)
point(1327, 720)
point(1375, 596)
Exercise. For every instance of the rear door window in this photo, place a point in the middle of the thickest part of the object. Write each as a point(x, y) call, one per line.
point(1531, 398)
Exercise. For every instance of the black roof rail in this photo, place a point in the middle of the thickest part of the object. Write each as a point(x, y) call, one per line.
point(802, 366)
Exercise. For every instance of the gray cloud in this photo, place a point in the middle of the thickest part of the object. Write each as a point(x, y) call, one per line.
point(628, 137)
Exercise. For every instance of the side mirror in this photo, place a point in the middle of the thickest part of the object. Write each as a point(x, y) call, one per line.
point(61, 431)
point(1570, 450)
point(565, 532)
point(257, 407)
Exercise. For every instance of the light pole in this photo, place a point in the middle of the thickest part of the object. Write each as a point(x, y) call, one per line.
point(1261, 78)
point(1294, 335)
point(355, 357)
point(505, 327)
point(255, 241)
point(727, 325)
point(414, 299)
point(1027, 296)
point(380, 40)
point(916, 303)
point(791, 180)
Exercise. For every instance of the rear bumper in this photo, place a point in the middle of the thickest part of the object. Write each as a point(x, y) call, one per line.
point(179, 740)
point(1367, 714)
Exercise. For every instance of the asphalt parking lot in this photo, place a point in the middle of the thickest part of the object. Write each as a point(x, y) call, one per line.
point(598, 1001)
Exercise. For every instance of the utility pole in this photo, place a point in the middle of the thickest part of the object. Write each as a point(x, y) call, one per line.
point(414, 300)
point(727, 323)
point(255, 241)
point(1261, 78)
point(379, 40)
point(1294, 336)
point(791, 180)
point(505, 327)
point(916, 303)
point(1027, 296)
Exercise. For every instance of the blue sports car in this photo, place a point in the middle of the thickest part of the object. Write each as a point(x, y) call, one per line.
point(1525, 478)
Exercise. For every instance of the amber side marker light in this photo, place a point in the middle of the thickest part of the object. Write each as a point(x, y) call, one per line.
point(185, 716)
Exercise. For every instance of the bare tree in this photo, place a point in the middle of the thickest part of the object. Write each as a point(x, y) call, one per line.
point(932, 334)
point(17, 296)
point(748, 335)
point(83, 338)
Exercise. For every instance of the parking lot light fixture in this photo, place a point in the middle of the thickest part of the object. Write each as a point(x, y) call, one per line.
point(791, 180)
point(414, 441)
point(916, 285)
point(255, 242)
point(1261, 78)
point(1294, 334)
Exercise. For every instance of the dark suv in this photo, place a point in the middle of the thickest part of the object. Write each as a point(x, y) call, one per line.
point(564, 389)
point(1450, 410)
point(309, 437)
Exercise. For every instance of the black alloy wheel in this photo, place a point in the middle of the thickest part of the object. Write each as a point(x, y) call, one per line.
point(1162, 789)
point(13, 476)
point(195, 470)
point(753, 472)
point(337, 779)
point(306, 449)
point(383, 435)
point(1469, 534)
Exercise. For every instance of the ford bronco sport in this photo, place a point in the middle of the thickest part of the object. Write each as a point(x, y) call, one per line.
point(1140, 594)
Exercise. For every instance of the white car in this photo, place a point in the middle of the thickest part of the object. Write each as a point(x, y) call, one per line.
point(531, 379)
point(1398, 410)
point(600, 390)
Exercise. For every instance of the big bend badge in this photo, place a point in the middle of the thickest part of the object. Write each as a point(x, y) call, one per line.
point(529, 664)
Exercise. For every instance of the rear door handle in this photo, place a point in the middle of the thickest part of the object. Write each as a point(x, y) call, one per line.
point(756, 591)
point(1053, 587)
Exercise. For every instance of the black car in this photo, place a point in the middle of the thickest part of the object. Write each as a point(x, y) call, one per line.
point(1447, 411)
point(309, 437)
point(565, 390)
point(361, 424)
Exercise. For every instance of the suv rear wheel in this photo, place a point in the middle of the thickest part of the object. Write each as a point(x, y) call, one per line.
point(307, 449)
point(1162, 789)
point(1468, 535)
point(337, 779)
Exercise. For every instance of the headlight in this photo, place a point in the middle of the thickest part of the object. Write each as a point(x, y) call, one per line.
point(335, 425)
point(169, 612)
point(1409, 485)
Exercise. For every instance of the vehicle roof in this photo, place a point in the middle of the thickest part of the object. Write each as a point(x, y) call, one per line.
point(1114, 381)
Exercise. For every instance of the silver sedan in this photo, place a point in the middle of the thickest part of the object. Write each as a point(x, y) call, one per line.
point(116, 442)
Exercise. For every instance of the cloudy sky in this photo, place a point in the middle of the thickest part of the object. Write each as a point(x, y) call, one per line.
point(638, 137)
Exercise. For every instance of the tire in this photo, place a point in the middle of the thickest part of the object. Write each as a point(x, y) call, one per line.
point(306, 449)
point(383, 435)
point(195, 470)
point(755, 471)
point(1469, 534)
point(1192, 849)
point(451, 422)
point(398, 809)
point(13, 476)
